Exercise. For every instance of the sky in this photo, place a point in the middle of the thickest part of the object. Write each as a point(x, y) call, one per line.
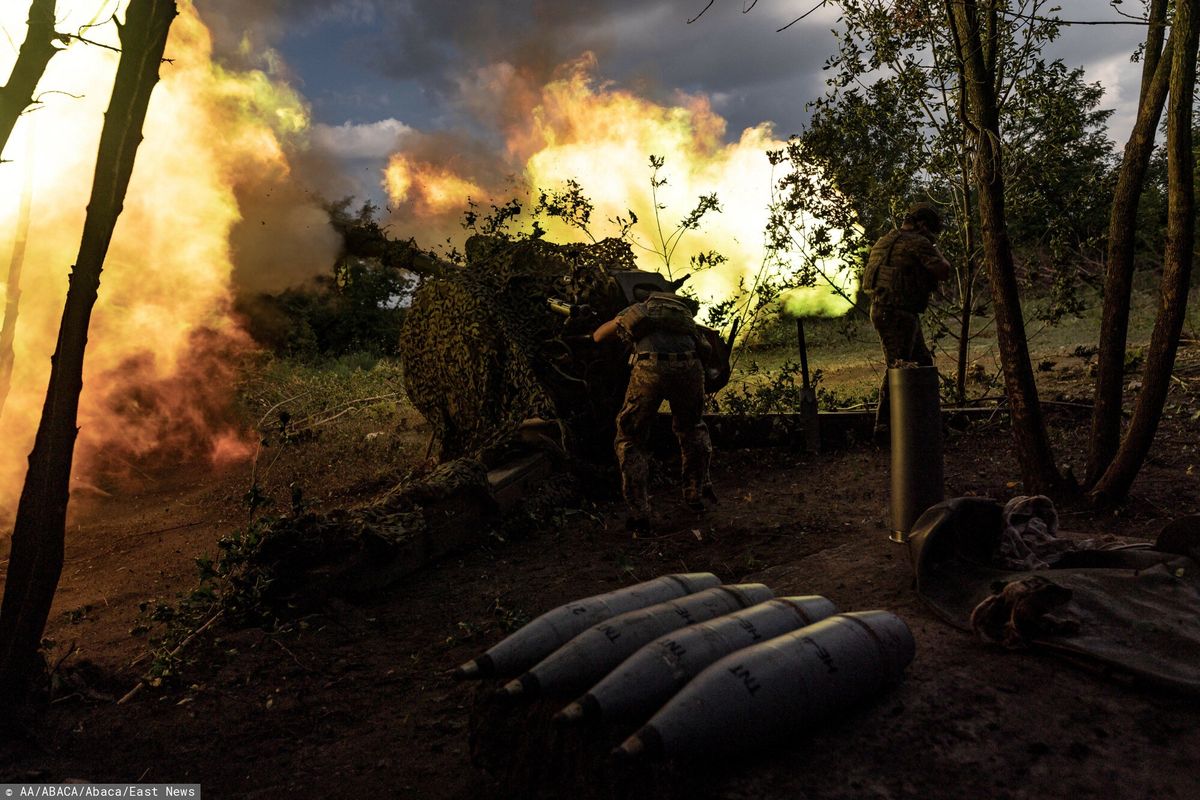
point(374, 70)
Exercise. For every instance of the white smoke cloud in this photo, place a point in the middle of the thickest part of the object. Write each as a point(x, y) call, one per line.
point(351, 140)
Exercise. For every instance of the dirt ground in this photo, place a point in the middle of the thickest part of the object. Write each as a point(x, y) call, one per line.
point(357, 698)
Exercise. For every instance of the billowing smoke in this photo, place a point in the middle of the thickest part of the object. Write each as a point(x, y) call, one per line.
point(214, 197)
point(576, 127)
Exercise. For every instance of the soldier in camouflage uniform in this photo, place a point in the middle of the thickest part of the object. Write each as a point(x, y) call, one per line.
point(902, 271)
point(665, 353)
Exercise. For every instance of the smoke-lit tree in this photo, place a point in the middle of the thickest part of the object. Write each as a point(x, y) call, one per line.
point(12, 289)
point(36, 558)
point(40, 45)
point(17, 94)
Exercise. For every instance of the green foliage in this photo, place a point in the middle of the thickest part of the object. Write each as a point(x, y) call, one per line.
point(571, 205)
point(780, 391)
point(358, 307)
point(509, 619)
point(311, 391)
point(889, 131)
point(497, 222)
point(235, 588)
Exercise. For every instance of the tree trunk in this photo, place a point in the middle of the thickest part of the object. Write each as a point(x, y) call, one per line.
point(37, 541)
point(1122, 230)
point(12, 289)
point(1034, 453)
point(36, 52)
point(968, 287)
point(1177, 262)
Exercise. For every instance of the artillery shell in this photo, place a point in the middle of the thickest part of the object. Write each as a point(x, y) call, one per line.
point(547, 633)
point(592, 654)
point(652, 675)
point(778, 688)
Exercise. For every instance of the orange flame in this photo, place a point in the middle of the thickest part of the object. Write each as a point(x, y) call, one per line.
point(601, 135)
point(158, 372)
point(431, 190)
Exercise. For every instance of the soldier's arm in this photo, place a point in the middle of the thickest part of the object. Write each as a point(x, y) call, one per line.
point(606, 331)
point(936, 263)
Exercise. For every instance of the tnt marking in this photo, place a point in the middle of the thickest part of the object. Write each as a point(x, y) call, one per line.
point(749, 628)
point(749, 681)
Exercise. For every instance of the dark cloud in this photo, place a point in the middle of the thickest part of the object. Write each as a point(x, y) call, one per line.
point(423, 48)
point(650, 43)
point(431, 45)
point(362, 61)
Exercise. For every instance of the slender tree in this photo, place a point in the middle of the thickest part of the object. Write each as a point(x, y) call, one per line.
point(1122, 232)
point(35, 563)
point(1177, 261)
point(12, 291)
point(974, 26)
point(40, 45)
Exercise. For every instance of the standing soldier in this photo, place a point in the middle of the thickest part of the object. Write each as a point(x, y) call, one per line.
point(902, 271)
point(661, 333)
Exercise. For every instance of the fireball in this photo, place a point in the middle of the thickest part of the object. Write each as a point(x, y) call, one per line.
point(152, 384)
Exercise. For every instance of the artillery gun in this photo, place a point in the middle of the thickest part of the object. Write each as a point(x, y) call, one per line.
point(497, 352)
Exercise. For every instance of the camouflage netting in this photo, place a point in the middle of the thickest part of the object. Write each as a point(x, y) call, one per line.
point(483, 351)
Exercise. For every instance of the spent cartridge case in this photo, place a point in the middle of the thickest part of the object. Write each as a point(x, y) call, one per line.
point(917, 463)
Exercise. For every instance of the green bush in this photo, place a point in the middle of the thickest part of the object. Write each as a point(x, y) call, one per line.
point(356, 310)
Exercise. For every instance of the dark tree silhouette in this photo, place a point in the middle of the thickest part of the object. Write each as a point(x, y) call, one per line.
point(1122, 234)
point(974, 27)
point(1177, 261)
point(35, 563)
point(40, 45)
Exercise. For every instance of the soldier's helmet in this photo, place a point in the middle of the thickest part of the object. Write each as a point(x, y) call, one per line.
point(926, 214)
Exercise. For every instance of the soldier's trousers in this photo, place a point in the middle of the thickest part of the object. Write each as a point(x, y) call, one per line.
point(680, 383)
point(900, 333)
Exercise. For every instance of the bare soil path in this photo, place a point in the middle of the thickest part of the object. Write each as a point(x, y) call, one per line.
point(356, 698)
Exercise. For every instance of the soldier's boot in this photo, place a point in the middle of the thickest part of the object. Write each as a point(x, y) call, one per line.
point(635, 476)
point(696, 450)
